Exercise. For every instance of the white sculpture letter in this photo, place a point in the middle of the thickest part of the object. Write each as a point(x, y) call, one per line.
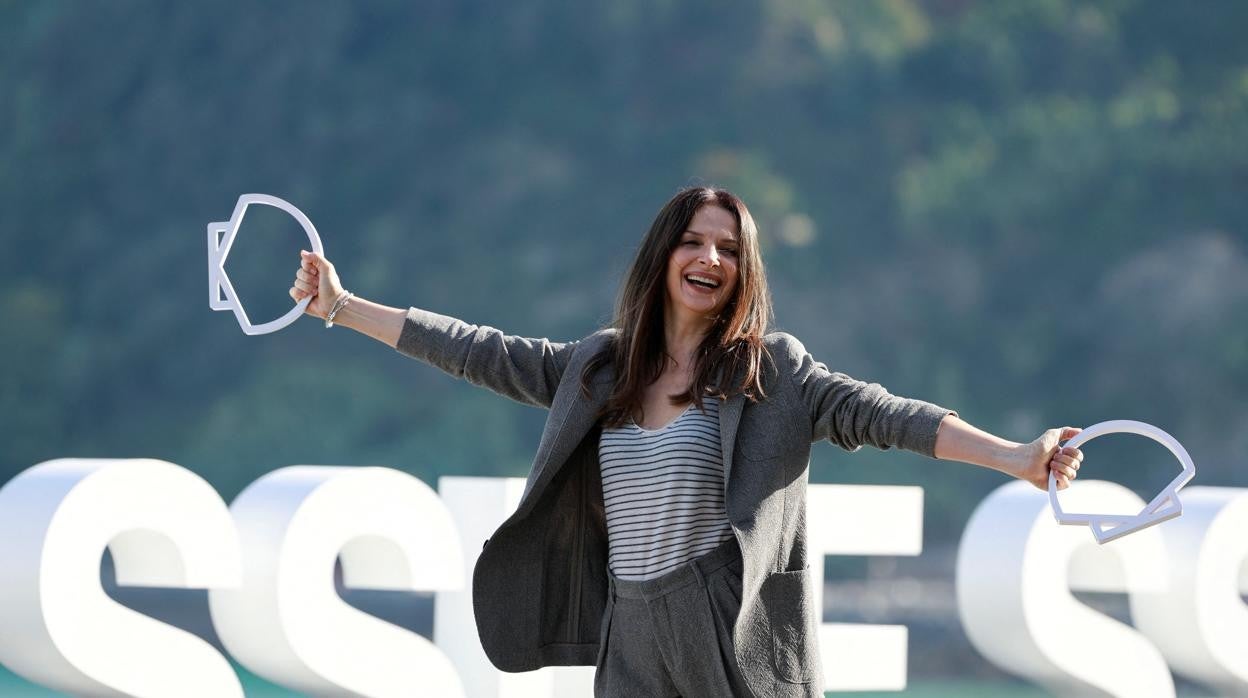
point(1015, 570)
point(862, 520)
point(288, 623)
point(1200, 622)
point(165, 527)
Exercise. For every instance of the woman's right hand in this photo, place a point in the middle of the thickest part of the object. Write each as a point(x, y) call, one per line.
point(316, 277)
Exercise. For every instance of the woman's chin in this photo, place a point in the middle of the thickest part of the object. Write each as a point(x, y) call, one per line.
point(702, 311)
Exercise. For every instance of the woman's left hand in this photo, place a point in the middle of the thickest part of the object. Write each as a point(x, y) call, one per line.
point(1043, 455)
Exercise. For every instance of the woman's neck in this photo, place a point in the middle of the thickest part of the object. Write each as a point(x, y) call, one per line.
point(681, 339)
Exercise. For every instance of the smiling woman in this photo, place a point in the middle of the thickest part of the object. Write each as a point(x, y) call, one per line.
point(661, 535)
point(694, 304)
point(706, 258)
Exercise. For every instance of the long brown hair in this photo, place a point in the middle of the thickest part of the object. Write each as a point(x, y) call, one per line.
point(735, 342)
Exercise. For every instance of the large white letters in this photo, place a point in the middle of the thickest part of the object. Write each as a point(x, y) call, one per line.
point(862, 520)
point(1184, 579)
point(268, 562)
point(1200, 622)
point(288, 623)
point(164, 525)
point(1016, 567)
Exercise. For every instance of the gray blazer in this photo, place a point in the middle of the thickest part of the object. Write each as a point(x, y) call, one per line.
point(539, 587)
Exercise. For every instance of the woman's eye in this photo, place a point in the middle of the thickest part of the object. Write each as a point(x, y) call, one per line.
point(731, 251)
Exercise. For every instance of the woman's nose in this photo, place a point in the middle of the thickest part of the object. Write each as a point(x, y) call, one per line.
point(711, 257)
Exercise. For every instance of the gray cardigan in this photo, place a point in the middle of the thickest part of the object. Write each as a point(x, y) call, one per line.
point(539, 587)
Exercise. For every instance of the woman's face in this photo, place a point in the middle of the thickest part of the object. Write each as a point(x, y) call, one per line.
point(706, 252)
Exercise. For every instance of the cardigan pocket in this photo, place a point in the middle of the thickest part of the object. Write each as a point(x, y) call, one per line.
point(762, 436)
point(788, 600)
point(762, 446)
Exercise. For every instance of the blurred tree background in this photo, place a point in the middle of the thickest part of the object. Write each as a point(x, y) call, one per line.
point(1032, 212)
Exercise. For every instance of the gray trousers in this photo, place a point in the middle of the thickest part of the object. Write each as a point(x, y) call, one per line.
point(672, 635)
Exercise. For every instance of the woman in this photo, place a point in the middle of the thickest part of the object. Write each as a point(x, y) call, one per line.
point(661, 535)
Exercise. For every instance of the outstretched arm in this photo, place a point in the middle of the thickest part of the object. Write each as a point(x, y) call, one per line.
point(851, 413)
point(525, 370)
point(958, 440)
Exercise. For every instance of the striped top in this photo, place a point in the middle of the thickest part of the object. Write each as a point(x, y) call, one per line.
point(664, 493)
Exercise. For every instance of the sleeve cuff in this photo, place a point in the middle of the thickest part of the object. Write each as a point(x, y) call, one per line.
point(426, 335)
point(922, 428)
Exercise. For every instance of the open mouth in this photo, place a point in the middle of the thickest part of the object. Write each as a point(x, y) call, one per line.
point(702, 282)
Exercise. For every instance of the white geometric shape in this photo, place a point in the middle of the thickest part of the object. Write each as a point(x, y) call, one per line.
point(1163, 507)
point(165, 526)
point(287, 622)
point(219, 249)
